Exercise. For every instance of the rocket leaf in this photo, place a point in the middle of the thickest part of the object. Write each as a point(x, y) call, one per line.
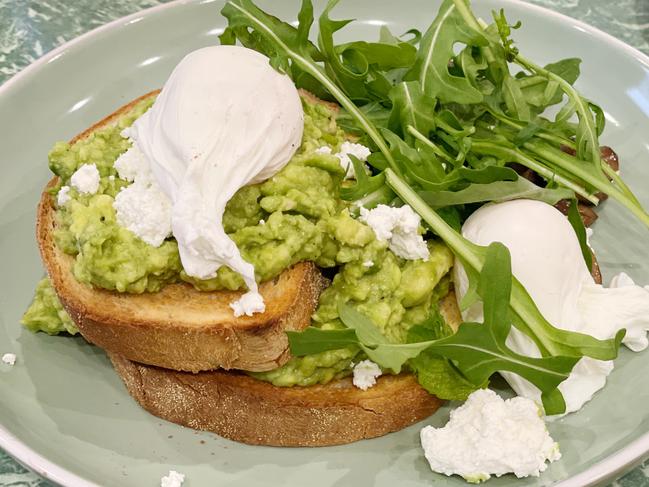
point(436, 50)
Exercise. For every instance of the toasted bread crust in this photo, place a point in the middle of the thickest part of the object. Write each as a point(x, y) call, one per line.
point(241, 408)
point(179, 327)
point(113, 117)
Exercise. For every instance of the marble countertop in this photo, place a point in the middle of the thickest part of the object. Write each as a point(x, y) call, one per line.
point(30, 28)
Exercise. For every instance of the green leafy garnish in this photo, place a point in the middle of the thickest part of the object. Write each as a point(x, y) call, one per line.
point(446, 114)
point(477, 350)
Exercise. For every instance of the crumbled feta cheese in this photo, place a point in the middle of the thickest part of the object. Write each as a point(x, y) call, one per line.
point(141, 207)
point(399, 227)
point(262, 222)
point(368, 263)
point(248, 304)
point(63, 195)
point(346, 149)
point(172, 479)
point(111, 177)
point(350, 148)
point(144, 210)
point(86, 179)
point(9, 358)
point(365, 374)
point(489, 436)
point(132, 165)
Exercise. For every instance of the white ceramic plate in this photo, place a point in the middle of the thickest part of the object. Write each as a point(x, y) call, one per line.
point(66, 414)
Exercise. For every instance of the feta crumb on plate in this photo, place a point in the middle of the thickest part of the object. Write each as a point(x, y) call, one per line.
point(399, 226)
point(490, 436)
point(172, 479)
point(86, 179)
point(365, 374)
point(9, 358)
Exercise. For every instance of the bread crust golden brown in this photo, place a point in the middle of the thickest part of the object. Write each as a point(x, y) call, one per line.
point(244, 409)
point(179, 327)
point(241, 408)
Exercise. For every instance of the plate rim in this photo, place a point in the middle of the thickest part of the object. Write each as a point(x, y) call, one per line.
point(604, 470)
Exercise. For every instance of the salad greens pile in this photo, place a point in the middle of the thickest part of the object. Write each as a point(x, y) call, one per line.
point(445, 123)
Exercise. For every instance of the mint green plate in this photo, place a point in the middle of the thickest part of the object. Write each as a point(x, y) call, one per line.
point(65, 413)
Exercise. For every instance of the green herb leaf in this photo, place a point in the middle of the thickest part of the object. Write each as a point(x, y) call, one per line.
point(578, 226)
point(315, 340)
point(366, 331)
point(411, 107)
point(436, 50)
point(434, 373)
point(497, 191)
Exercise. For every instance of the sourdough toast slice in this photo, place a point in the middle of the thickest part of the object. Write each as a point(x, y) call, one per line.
point(179, 327)
point(244, 409)
point(241, 408)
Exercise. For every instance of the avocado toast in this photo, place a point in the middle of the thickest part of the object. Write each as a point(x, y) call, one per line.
point(159, 336)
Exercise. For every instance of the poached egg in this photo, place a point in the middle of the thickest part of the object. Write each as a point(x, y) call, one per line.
point(224, 119)
point(547, 260)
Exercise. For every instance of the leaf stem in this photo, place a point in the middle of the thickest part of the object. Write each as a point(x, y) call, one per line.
point(561, 159)
point(515, 155)
point(583, 111)
point(435, 148)
point(527, 317)
point(619, 182)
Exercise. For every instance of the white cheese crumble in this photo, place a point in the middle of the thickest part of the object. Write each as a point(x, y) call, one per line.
point(350, 148)
point(9, 358)
point(86, 179)
point(346, 149)
point(490, 436)
point(172, 479)
point(399, 226)
point(133, 165)
point(368, 263)
point(249, 303)
point(63, 195)
point(144, 210)
point(365, 374)
point(141, 207)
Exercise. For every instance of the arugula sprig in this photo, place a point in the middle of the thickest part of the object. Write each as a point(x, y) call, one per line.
point(443, 128)
point(477, 350)
point(527, 318)
point(290, 50)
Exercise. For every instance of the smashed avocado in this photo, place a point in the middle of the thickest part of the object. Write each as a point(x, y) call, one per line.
point(395, 293)
point(294, 216)
point(46, 312)
point(284, 217)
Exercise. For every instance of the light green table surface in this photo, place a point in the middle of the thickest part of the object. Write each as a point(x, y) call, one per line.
point(30, 28)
